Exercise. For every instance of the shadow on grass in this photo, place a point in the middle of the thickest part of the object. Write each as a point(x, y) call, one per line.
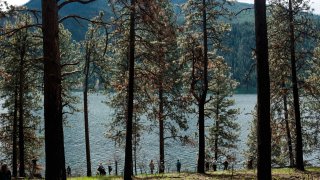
point(211, 175)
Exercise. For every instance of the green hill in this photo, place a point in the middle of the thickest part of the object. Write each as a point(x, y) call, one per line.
point(240, 39)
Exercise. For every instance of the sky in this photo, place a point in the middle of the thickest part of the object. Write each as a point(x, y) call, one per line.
point(315, 4)
point(16, 2)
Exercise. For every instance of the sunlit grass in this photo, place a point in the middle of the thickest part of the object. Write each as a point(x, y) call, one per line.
point(96, 178)
point(314, 169)
point(277, 173)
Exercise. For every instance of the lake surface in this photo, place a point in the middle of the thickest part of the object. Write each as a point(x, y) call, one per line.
point(103, 150)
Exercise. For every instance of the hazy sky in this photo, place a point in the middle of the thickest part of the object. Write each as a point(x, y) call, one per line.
point(16, 2)
point(315, 4)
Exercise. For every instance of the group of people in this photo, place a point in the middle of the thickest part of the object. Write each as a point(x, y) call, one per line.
point(102, 171)
point(178, 165)
point(214, 165)
point(151, 166)
point(5, 173)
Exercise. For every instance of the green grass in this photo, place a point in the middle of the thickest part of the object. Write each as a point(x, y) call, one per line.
point(277, 174)
point(96, 178)
point(315, 169)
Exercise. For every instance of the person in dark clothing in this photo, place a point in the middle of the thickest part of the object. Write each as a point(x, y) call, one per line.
point(68, 171)
point(214, 165)
point(34, 166)
point(151, 165)
point(109, 167)
point(101, 170)
point(5, 173)
point(207, 165)
point(178, 166)
point(225, 164)
point(250, 164)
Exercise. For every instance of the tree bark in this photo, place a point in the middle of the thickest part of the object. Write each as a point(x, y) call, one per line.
point(299, 146)
point(128, 152)
point(135, 147)
point(21, 107)
point(201, 154)
point(286, 119)
point(263, 83)
point(201, 103)
point(161, 127)
point(14, 132)
point(85, 109)
point(54, 140)
point(216, 135)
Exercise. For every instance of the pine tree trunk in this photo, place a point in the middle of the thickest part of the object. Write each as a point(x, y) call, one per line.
point(216, 134)
point(201, 154)
point(85, 113)
point(128, 152)
point(286, 119)
point(263, 83)
point(21, 109)
point(54, 140)
point(299, 146)
point(161, 127)
point(135, 148)
point(14, 132)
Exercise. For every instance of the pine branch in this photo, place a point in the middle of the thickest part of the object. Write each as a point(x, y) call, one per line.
point(74, 1)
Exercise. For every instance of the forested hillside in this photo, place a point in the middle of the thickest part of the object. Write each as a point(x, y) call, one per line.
point(240, 41)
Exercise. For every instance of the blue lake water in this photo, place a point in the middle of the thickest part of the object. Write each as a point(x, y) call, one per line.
point(104, 151)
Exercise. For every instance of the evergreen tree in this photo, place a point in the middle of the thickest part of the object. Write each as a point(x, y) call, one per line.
point(20, 89)
point(289, 59)
point(94, 47)
point(127, 11)
point(159, 72)
point(53, 115)
point(223, 134)
point(203, 26)
point(263, 81)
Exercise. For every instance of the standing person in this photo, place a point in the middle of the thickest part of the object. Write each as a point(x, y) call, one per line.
point(151, 165)
point(207, 163)
point(34, 166)
point(250, 164)
point(101, 170)
point(178, 166)
point(68, 171)
point(109, 167)
point(225, 164)
point(214, 164)
point(5, 173)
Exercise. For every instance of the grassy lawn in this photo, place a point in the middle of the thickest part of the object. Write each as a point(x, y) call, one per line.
point(311, 173)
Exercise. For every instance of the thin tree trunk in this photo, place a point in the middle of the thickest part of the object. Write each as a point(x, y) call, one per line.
point(299, 146)
point(128, 151)
point(216, 134)
point(14, 132)
point(161, 127)
point(263, 83)
point(201, 154)
point(85, 111)
point(135, 148)
point(21, 108)
point(286, 119)
point(54, 140)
